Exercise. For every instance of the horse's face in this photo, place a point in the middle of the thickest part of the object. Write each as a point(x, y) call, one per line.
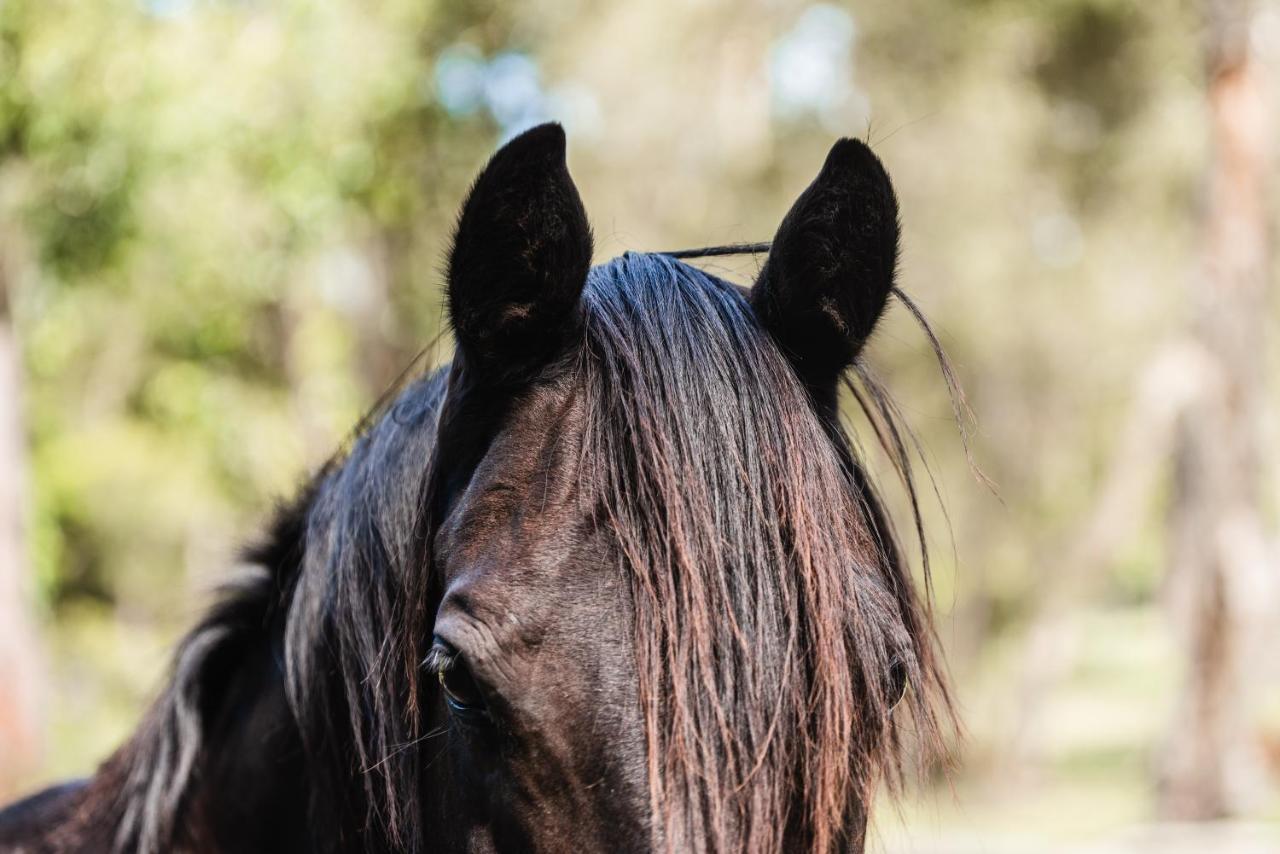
point(624, 650)
point(533, 641)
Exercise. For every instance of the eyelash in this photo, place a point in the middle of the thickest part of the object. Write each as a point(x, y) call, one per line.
point(442, 660)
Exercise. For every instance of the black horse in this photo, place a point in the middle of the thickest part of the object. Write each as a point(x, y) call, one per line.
point(612, 580)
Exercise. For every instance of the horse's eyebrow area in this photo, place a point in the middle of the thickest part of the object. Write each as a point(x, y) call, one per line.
point(482, 512)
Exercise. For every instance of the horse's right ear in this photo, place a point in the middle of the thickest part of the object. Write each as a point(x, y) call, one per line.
point(520, 256)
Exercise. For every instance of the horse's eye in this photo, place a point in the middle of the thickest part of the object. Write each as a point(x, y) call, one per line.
point(461, 693)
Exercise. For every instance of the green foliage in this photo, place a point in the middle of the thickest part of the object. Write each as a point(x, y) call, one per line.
point(219, 211)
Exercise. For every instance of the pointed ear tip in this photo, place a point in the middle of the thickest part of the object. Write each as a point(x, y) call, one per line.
point(548, 137)
point(851, 153)
point(548, 131)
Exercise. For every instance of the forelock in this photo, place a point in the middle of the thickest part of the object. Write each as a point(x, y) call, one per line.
point(768, 611)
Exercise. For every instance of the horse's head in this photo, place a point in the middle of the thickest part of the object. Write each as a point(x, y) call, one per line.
point(659, 605)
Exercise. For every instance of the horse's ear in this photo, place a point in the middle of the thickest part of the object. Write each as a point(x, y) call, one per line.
point(832, 266)
point(520, 256)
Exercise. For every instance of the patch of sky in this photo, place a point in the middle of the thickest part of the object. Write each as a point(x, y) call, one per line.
point(811, 69)
point(509, 88)
point(166, 9)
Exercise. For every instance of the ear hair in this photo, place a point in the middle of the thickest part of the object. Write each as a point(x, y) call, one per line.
point(520, 256)
point(832, 267)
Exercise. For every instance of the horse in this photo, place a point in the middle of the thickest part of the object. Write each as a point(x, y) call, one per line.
point(615, 578)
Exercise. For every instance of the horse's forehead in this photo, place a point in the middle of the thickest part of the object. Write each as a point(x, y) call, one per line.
point(518, 552)
point(525, 491)
point(534, 450)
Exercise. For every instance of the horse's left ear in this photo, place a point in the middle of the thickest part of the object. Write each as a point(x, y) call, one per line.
point(831, 267)
point(520, 256)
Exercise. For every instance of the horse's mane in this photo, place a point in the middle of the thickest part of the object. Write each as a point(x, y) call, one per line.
point(148, 780)
point(155, 769)
point(679, 377)
point(327, 569)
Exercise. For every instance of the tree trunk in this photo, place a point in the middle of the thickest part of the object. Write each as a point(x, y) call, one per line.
point(20, 664)
point(1219, 577)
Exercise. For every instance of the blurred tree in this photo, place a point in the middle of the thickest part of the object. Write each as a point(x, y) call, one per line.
point(21, 663)
point(1219, 572)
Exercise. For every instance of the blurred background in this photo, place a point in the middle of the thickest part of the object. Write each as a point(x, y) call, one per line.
point(222, 225)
